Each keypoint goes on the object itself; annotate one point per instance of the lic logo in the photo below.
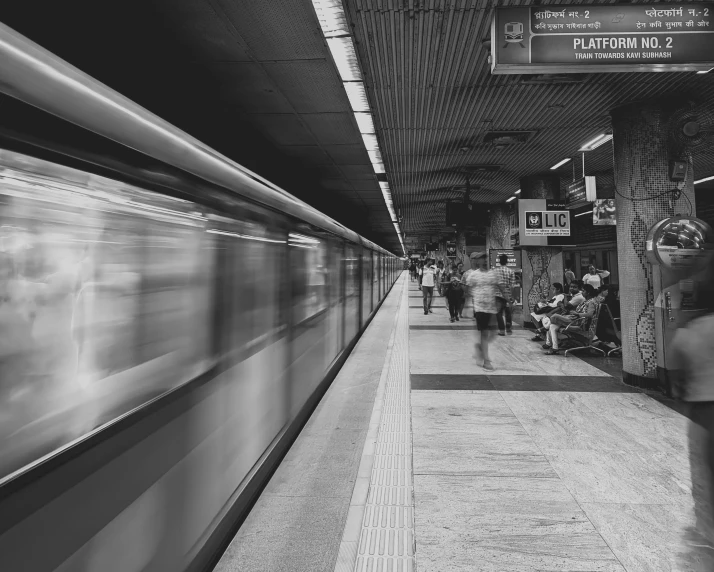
(514, 34)
(534, 219)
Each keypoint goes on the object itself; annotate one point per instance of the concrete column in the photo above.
(642, 181)
(542, 265)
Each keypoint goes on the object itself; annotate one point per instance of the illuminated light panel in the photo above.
(703, 180)
(370, 141)
(511, 199)
(357, 96)
(563, 162)
(595, 143)
(343, 51)
(332, 17)
(375, 156)
(583, 214)
(364, 122)
(518, 192)
(378, 167)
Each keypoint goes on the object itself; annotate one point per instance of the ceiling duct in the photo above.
(478, 169)
(552, 79)
(502, 139)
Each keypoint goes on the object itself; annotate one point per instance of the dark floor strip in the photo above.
(519, 383)
(469, 325)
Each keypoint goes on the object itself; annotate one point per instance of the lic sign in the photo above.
(547, 223)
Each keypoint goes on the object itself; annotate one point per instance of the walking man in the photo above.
(506, 281)
(428, 279)
(483, 289)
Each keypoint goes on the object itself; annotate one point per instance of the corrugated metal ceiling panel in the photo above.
(430, 87)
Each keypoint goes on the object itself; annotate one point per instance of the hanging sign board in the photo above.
(580, 192)
(582, 38)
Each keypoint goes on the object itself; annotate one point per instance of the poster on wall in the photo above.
(604, 212)
(451, 249)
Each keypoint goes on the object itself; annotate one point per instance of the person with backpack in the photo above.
(454, 294)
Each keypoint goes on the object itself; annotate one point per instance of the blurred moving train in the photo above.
(157, 353)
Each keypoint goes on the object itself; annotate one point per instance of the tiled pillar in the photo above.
(641, 180)
(499, 232)
(542, 265)
(461, 254)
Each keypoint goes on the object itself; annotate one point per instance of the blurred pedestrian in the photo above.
(483, 289)
(692, 366)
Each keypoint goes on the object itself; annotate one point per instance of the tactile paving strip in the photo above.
(387, 538)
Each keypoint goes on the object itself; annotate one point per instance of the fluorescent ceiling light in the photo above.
(707, 71)
(583, 214)
(378, 167)
(370, 141)
(375, 156)
(595, 143)
(364, 122)
(518, 192)
(357, 96)
(332, 17)
(702, 180)
(384, 186)
(343, 50)
(511, 199)
(563, 162)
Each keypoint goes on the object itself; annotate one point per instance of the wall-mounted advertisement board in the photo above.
(559, 38)
(543, 222)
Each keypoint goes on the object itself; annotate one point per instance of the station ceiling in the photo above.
(255, 79)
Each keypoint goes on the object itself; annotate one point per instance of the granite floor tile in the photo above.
(621, 477)
(650, 538)
(560, 421)
(504, 524)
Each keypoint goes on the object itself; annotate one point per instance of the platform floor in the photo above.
(546, 463)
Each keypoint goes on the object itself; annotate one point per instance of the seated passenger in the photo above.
(572, 301)
(579, 318)
(544, 308)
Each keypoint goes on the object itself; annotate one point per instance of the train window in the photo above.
(252, 280)
(105, 297)
(309, 273)
(351, 291)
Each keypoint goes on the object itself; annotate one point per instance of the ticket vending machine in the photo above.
(681, 251)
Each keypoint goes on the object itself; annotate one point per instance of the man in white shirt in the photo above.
(428, 279)
(595, 277)
(483, 285)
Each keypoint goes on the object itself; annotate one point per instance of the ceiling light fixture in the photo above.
(707, 71)
(343, 51)
(513, 198)
(582, 214)
(703, 180)
(563, 162)
(595, 143)
(518, 192)
(337, 32)
(364, 122)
